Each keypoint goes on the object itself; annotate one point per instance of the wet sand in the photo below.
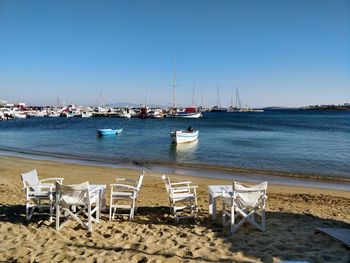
(153, 236)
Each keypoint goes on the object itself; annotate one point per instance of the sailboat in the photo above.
(239, 108)
(189, 112)
(218, 107)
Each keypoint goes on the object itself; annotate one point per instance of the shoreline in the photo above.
(191, 166)
(288, 181)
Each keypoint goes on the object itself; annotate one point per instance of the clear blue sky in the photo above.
(286, 53)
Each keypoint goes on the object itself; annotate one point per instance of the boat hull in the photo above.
(108, 132)
(185, 115)
(184, 136)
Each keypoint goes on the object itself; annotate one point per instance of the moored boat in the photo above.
(85, 114)
(184, 136)
(189, 112)
(106, 132)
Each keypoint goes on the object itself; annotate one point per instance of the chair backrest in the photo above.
(167, 183)
(249, 196)
(139, 182)
(72, 194)
(31, 179)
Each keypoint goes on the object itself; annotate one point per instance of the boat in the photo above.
(250, 110)
(18, 115)
(189, 112)
(34, 114)
(106, 132)
(239, 108)
(183, 136)
(125, 114)
(144, 112)
(85, 114)
(218, 107)
(53, 114)
(156, 113)
(67, 114)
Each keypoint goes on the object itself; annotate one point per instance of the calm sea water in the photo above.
(294, 141)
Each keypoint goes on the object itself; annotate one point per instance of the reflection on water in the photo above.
(184, 152)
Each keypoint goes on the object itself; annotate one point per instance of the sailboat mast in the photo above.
(238, 99)
(218, 98)
(100, 99)
(202, 96)
(174, 87)
(193, 90)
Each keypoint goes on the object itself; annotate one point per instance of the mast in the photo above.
(100, 99)
(193, 90)
(174, 87)
(238, 99)
(58, 99)
(218, 97)
(146, 95)
(202, 96)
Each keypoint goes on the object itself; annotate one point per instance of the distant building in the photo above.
(3, 102)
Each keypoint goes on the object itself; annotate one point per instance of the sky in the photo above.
(278, 53)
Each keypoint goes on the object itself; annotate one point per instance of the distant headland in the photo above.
(343, 107)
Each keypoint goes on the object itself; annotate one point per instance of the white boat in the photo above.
(189, 112)
(85, 114)
(184, 136)
(156, 113)
(125, 114)
(18, 115)
(35, 114)
(250, 110)
(239, 108)
(67, 114)
(53, 114)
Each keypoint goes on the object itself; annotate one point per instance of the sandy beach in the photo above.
(293, 213)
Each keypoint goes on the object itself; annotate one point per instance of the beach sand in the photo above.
(293, 213)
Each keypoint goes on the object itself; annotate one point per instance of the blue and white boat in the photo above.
(106, 132)
(184, 136)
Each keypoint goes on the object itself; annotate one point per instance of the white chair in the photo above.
(246, 202)
(121, 193)
(76, 202)
(182, 198)
(38, 191)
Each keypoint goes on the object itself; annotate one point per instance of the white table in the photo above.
(101, 188)
(216, 191)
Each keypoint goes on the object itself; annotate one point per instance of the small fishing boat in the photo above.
(106, 132)
(183, 136)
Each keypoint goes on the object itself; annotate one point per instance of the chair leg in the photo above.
(51, 208)
(27, 210)
(131, 216)
(263, 220)
(233, 227)
(57, 217)
(110, 208)
(89, 219)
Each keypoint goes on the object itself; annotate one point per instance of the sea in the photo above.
(279, 142)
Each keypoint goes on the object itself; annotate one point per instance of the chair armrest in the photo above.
(50, 186)
(124, 186)
(51, 179)
(125, 179)
(185, 187)
(179, 183)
